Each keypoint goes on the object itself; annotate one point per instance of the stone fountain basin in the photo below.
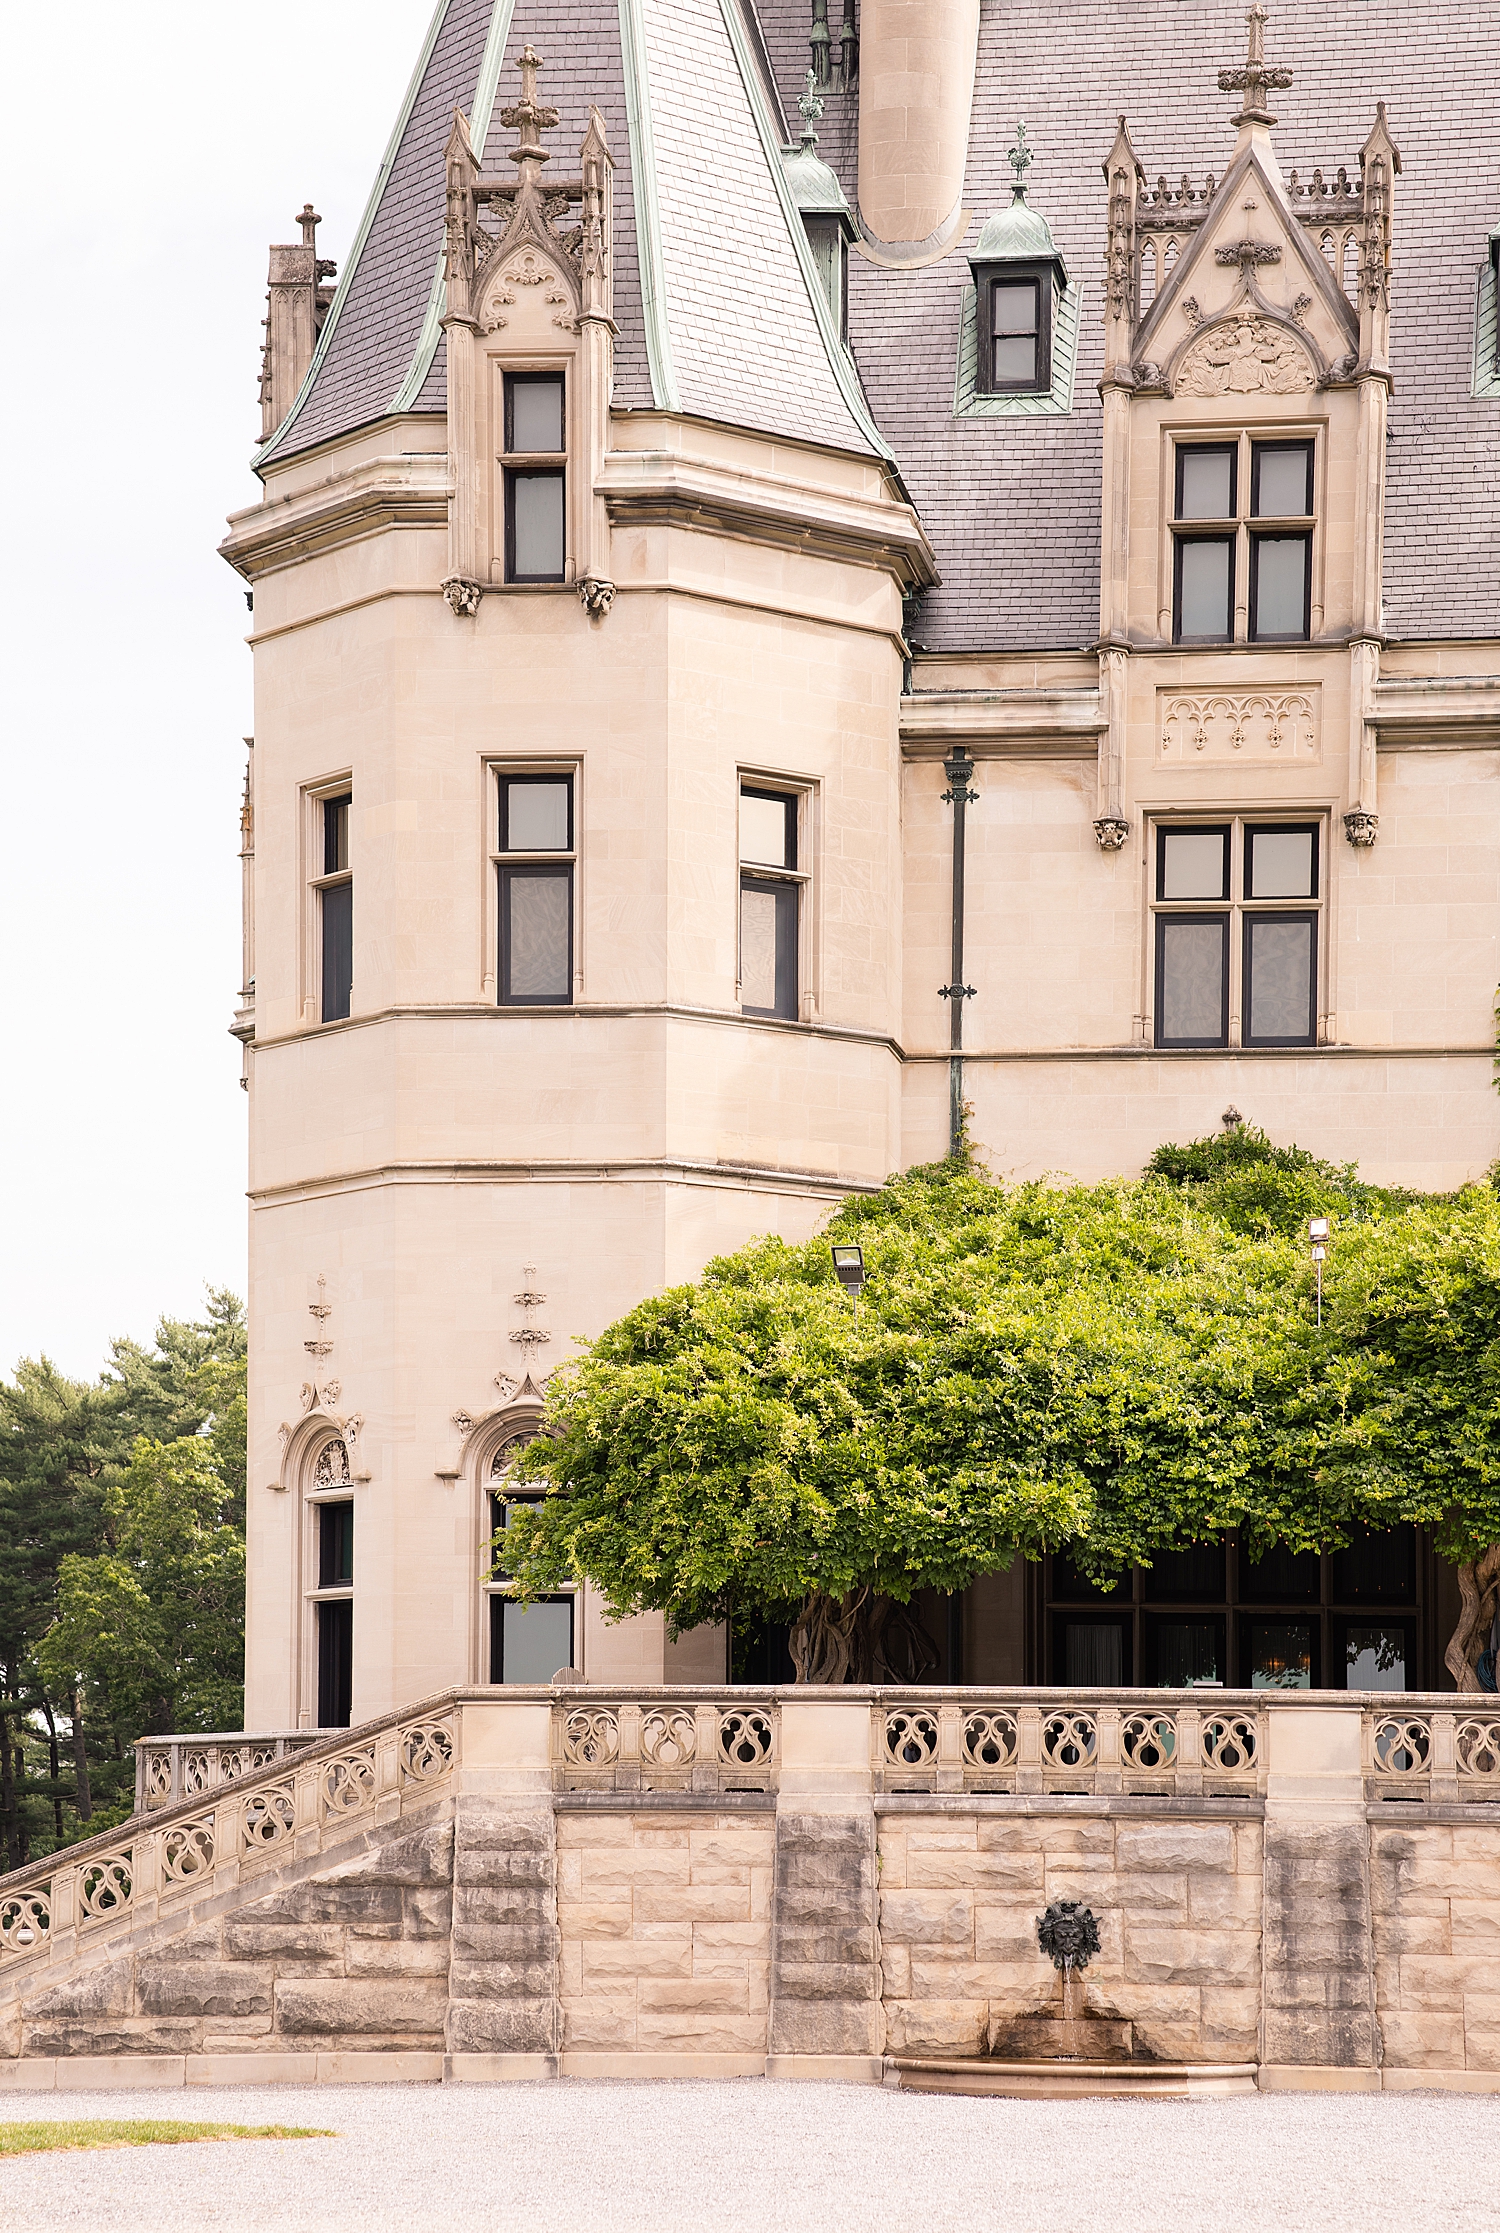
(1066, 2079)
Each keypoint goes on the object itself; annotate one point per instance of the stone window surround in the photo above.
(494, 766)
(314, 882)
(1288, 813)
(1200, 434)
(485, 1440)
(807, 792)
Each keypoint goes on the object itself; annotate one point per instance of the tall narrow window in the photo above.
(1017, 335)
(1203, 590)
(528, 1643)
(1258, 989)
(534, 480)
(1280, 559)
(535, 856)
(770, 902)
(336, 912)
(334, 1603)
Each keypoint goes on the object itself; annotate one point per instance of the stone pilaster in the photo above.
(503, 1985)
(826, 2019)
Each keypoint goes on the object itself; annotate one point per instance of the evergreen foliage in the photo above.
(121, 1569)
(1127, 1368)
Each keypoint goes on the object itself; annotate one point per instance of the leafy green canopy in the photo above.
(1124, 1368)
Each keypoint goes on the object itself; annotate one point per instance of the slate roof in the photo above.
(753, 355)
(1011, 505)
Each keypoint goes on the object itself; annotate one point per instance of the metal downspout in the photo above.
(959, 769)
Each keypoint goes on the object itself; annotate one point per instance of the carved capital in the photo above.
(596, 596)
(1111, 831)
(463, 595)
(1361, 828)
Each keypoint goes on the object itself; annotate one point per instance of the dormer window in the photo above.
(827, 219)
(1019, 282)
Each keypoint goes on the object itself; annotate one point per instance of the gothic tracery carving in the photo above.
(332, 1468)
(1244, 356)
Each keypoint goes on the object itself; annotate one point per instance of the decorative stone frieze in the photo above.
(1245, 355)
(1237, 725)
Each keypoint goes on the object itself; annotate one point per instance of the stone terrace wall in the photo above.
(664, 1920)
(1179, 1907)
(1436, 1896)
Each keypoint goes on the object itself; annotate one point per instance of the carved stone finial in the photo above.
(309, 220)
(529, 116)
(1254, 80)
(1019, 159)
(1111, 831)
(1360, 827)
(810, 108)
(462, 595)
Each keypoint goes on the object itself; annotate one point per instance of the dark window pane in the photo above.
(1278, 589)
(536, 526)
(1204, 571)
(1282, 1577)
(338, 950)
(1281, 864)
(1093, 1654)
(536, 935)
(1376, 1569)
(1281, 1655)
(335, 834)
(1015, 307)
(1187, 1652)
(536, 412)
(335, 1663)
(535, 814)
(335, 1544)
(1191, 1576)
(1283, 480)
(1375, 1657)
(1191, 984)
(825, 238)
(1278, 979)
(1069, 1584)
(768, 829)
(1205, 484)
(530, 1643)
(1194, 864)
(768, 947)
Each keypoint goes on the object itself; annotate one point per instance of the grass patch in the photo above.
(139, 2132)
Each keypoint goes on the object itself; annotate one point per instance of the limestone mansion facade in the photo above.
(788, 601)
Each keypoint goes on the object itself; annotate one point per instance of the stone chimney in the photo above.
(916, 89)
(296, 305)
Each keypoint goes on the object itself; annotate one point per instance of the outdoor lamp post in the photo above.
(1317, 1233)
(849, 1264)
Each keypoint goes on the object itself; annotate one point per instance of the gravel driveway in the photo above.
(752, 2156)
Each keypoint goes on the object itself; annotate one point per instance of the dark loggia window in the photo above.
(535, 891)
(535, 490)
(336, 910)
(335, 1662)
(335, 1545)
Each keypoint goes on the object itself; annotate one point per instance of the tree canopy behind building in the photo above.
(1125, 1369)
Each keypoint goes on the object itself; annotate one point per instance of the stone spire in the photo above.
(1254, 80)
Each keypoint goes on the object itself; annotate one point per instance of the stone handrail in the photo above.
(171, 1769)
(1448, 1754)
(1155, 1743)
(167, 1859)
(668, 1740)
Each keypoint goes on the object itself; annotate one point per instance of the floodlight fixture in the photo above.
(849, 1264)
(1318, 1230)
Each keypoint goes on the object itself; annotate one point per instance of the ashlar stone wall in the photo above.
(1179, 1906)
(1435, 1892)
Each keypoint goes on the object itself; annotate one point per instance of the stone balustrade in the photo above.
(518, 1881)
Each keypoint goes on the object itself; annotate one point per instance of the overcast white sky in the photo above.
(152, 151)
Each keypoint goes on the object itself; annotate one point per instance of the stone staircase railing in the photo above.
(166, 1859)
(171, 1769)
(1068, 1742)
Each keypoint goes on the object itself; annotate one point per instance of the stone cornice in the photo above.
(406, 491)
(997, 721)
(1415, 713)
(658, 488)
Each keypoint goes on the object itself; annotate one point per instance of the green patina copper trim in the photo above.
(647, 214)
(482, 109)
(1486, 335)
(357, 245)
(1055, 404)
(841, 364)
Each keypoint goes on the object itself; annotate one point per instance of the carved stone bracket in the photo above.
(463, 595)
(1361, 828)
(596, 596)
(1111, 831)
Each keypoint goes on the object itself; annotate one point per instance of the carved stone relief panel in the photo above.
(1244, 356)
(1195, 728)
